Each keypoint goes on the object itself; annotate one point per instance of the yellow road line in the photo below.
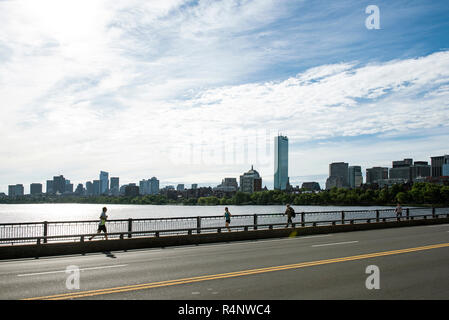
(82, 294)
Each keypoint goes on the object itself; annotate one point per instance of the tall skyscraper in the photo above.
(115, 186)
(280, 162)
(104, 182)
(355, 176)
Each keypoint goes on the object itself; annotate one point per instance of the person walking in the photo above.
(398, 210)
(102, 224)
(290, 212)
(228, 218)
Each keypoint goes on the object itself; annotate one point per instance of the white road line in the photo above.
(63, 271)
(333, 244)
(438, 225)
(244, 242)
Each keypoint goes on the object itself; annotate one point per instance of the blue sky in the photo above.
(180, 89)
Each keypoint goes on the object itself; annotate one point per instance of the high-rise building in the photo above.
(68, 187)
(49, 187)
(154, 185)
(89, 188)
(180, 187)
(355, 176)
(421, 169)
(59, 184)
(445, 169)
(104, 182)
(194, 186)
(15, 190)
(250, 181)
(79, 189)
(280, 162)
(96, 187)
(437, 165)
(338, 170)
(131, 190)
(376, 173)
(401, 169)
(144, 187)
(36, 188)
(150, 186)
(115, 186)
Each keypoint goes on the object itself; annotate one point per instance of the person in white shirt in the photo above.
(102, 224)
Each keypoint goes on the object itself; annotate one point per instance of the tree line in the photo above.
(421, 193)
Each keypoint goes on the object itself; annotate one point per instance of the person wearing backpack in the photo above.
(290, 212)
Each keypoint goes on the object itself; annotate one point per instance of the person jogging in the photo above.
(290, 214)
(102, 224)
(398, 210)
(228, 218)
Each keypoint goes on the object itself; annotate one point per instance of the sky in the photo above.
(196, 91)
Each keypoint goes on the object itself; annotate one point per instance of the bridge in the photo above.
(411, 253)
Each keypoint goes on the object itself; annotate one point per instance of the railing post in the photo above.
(377, 216)
(255, 221)
(130, 227)
(82, 239)
(433, 212)
(303, 219)
(407, 213)
(342, 217)
(198, 224)
(45, 231)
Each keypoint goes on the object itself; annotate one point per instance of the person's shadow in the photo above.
(109, 254)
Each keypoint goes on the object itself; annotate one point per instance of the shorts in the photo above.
(228, 220)
(102, 228)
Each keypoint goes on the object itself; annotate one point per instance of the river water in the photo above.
(10, 213)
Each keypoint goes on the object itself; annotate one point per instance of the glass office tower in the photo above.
(280, 162)
(104, 182)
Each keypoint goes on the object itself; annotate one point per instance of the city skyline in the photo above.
(180, 89)
(442, 161)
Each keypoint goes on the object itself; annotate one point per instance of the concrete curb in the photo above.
(53, 249)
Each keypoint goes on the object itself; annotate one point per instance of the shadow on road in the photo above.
(109, 254)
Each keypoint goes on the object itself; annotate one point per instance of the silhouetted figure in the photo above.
(290, 212)
(228, 218)
(102, 224)
(398, 211)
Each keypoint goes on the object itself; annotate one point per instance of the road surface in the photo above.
(413, 263)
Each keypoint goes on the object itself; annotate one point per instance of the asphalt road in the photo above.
(331, 266)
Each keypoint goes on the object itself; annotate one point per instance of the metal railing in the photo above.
(53, 231)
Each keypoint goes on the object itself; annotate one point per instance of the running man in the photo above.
(398, 210)
(290, 214)
(102, 224)
(228, 218)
